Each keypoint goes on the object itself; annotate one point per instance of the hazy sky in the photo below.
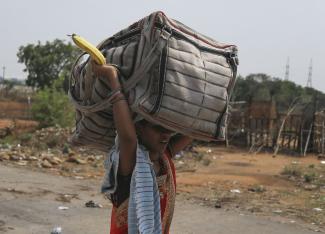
(266, 32)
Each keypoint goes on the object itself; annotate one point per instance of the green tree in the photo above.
(261, 87)
(246, 88)
(240, 89)
(46, 63)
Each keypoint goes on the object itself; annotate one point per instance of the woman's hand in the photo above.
(108, 71)
(178, 143)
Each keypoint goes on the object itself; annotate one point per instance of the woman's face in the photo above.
(154, 137)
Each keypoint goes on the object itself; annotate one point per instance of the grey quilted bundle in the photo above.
(173, 76)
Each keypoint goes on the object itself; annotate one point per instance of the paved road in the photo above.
(29, 204)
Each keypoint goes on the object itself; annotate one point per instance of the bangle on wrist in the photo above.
(117, 96)
(121, 98)
(114, 92)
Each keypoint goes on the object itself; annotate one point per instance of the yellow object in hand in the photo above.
(83, 44)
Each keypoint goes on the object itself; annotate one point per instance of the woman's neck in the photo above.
(155, 156)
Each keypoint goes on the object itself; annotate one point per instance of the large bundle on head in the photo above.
(173, 76)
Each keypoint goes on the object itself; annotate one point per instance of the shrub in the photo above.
(309, 177)
(26, 137)
(53, 141)
(292, 170)
(51, 107)
(8, 140)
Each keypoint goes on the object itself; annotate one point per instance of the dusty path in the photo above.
(29, 204)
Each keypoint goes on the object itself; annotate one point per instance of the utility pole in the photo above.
(286, 75)
(310, 74)
(3, 72)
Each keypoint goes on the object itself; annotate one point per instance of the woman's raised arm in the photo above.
(122, 119)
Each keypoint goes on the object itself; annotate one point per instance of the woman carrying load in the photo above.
(140, 178)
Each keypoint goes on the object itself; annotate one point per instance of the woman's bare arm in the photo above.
(178, 143)
(122, 120)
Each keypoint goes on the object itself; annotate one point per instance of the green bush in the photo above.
(53, 141)
(25, 137)
(292, 170)
(309, 177)
(8, 140)
(51, 107)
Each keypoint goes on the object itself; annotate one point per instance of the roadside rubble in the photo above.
(235, 191)
(66, 197)
(63, 208)
(56, 230)
(48, 149)
(49, 159)
(92, 204)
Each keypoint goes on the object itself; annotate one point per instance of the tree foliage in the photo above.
(261, 87)
(48, 66)
(47, 62)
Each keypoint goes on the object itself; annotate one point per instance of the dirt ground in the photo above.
(36, 203)
(228, 181)
(259, 184)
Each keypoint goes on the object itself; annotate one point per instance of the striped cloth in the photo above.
(144, 215)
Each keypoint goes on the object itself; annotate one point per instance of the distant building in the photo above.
(12, 80)
(17, 81)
